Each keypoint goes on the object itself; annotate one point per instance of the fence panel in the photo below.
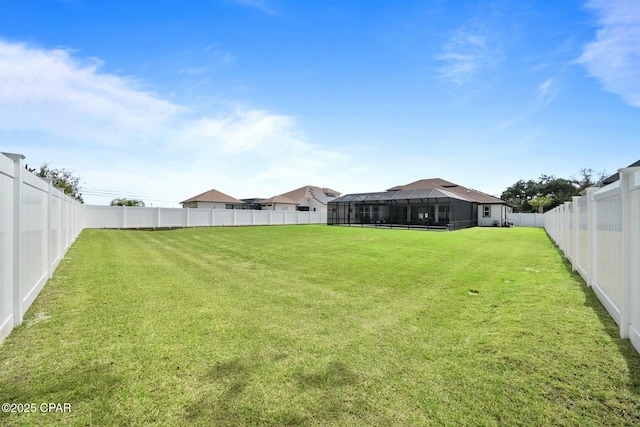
(262, 217)
(200, 217)
(290, 217)
(33, 233)
(223, 217)
(141, 217)
(600, 234)
(56, 242)
(169, 217)
(138, 217)
(527, 219)
(607, 278)
(6, 246)
(104, 217)
(568, 240)
(243, 217)
(37, 225)
(582, 238)
(634, 256)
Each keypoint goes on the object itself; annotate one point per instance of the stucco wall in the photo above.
(497, 214)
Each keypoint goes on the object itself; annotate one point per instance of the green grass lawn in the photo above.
(317, 325)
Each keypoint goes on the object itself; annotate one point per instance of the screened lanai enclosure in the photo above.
(425, 208)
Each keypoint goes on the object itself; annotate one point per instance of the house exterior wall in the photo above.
(313, 205)
(208, 205)
(279, 207)
(496, 213)
(316, 206)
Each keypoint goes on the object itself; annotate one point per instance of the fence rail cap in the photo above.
(14, 155)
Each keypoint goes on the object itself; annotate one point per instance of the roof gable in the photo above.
(311, 192)
(423, 194)
(425, 183)
(214, 196)
(439, 183)
(279, 199)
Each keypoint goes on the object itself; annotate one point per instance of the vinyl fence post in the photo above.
(234, 217)
(60, 248)
(17, 236)
(253, 217)
(187, 217)
(625, 315)
(158, 220)
(576, 230)
(592, 229)
(48, 250)
(124, 216)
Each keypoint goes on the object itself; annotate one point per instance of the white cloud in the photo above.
(121, 138)
(614, 55)
(243, 130)
(546, 92)
(261, 5)
(464, 54)
(48, 90)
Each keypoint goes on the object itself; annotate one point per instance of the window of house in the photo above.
(486, 211)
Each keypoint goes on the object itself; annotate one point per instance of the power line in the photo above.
(111, 194)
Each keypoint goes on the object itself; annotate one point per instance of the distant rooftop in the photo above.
(616, 176)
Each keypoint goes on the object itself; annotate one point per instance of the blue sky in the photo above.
(164, 100)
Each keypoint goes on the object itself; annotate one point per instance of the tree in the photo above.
(122, 201)
(548, 191)
(589, 178)
(559, 190)
(539, 203)
(519, 195)
(63, 179)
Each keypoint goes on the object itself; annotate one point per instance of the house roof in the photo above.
(439, 183)
(310, 191)
(616, 176)
(279, 199)
(432, 194)
(214, 196)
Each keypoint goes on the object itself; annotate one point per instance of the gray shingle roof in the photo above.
(214, 196)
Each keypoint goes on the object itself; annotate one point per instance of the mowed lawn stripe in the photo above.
(317, 325)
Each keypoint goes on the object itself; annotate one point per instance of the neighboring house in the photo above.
(311, 198)
(252, 203)
(213, 199)
(616, 176)
(279, 203)
(430, 203)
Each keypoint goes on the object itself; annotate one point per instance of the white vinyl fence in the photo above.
(38, 223)
(526, 219)
(600, 234)
(137, 217)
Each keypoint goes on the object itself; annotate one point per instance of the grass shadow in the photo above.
(83, 387)
(624, 346)
(335, 375)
